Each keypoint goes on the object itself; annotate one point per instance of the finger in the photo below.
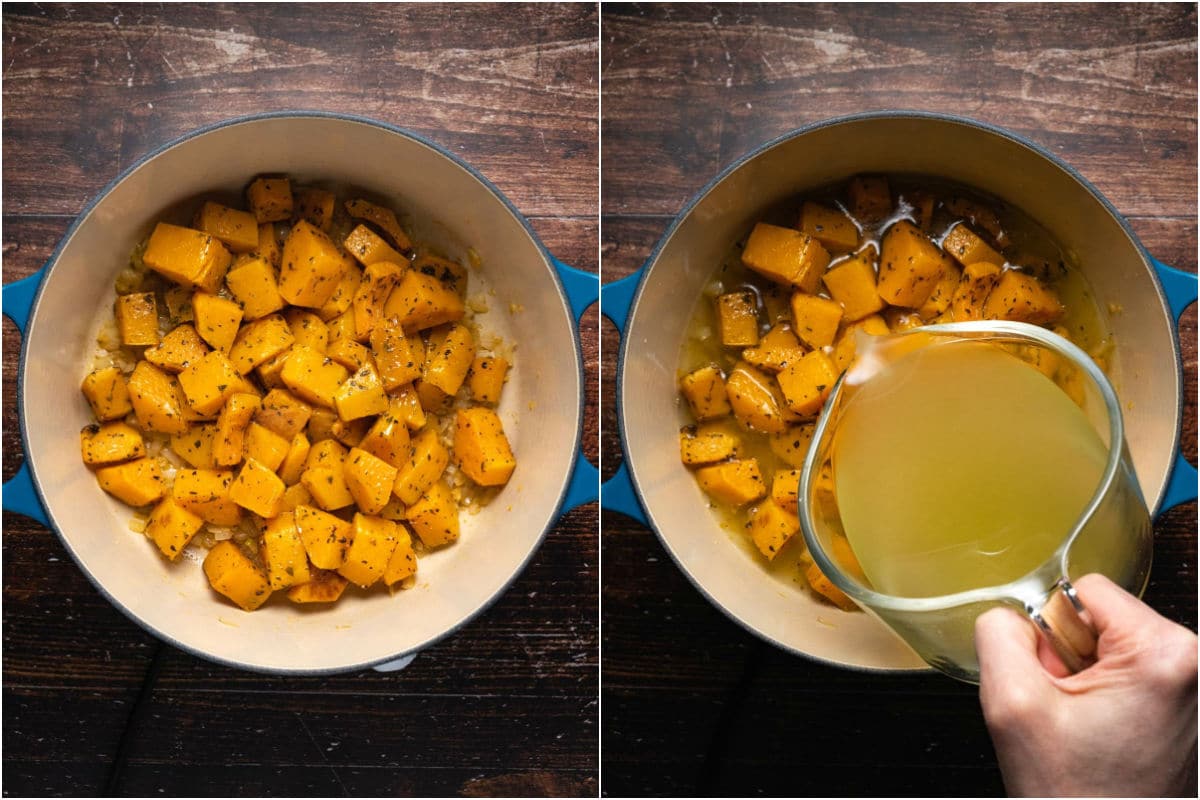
(1111, 608)
(1011, 676)
(1050, 659)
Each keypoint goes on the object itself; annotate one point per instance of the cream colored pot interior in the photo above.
(445, 204)
(1146, 373)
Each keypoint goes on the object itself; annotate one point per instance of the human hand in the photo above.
(1125, 726)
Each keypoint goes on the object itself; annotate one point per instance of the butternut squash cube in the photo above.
(870, 197)
(341, 326)
(910, 265)
(1022, 298)
(282, 553)
(179, 304)
(448, 364)
(283, 413)
(229, 442)
(137, 319)
(296, 495)
(258, 489)
(268, 244)
(370, 480)
(171, 527)
(209, 382)
(481, 449)
(349, 353)
(320, 424)
(326, 453)
(265, 446)
(157, 399)
(452, 274)
(237, 230)
(352, 432)
(943, 293)
(378, 281)
(135, 483)
(232, 573)
(195, 445)
(107, 392)
(368, 247)
(370, 550)
(326, 538)
(387, 439)
(433, 400)
(406, 406)
(771, 526)
(426, 462)
(775, 349)
(836, 232)
(342, 299)
(313, 377)
(733, 483)
(259, 341)
(383, 218)
(293, 463)
(252, 281)
(844, 350)
(205, 493)
(399, 359)
(420, 301)
(324, 586)
(308, 329)
(217, 320)
(270, 372)
(791, 445)
(852, 283)
(434, 516)
(403, 562)
(785, 489)
(968, 248)
(815, 319)
(395, 510)
(737, 319)
(327, 483)
(824, 587)
(312, 266)
(314, 205)
(807, 382)
(786, 255)
(755, 399)
(110, 443)
(179, 348)
(270, 199)
(974, 286)
(705, 391)
(697, 448)
(187, 256)
(486, 377)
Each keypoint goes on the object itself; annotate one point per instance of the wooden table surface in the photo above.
(691, 703)
(93, 704)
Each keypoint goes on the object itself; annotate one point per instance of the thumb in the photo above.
(1011, 676)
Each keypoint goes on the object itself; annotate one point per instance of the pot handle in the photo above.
(617, 493)
(19, 494)
(396, 665)
(1180, 289)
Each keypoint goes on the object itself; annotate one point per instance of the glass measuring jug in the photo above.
(931, 600)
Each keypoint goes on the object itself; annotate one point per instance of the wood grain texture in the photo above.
(94, 705)
(687, 89)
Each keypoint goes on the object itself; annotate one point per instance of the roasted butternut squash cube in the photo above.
(205, 493)
(328, 487)
(845, 348)
(785, 489)
(383, 218)
(699, 447)
(326, 538)
(387, 438)
(352, 432)
(312, 266)
(258, 489)
(137, 319)
(179, 348)
(852, 283)
(171, 527)
(313, 377)
(370, 550)
(836, 232)
(209, 382)
(433, 399)
(400, 359)
(325, 453)
(1022, 298)
(733, 483)
(282, 552)
(943, 293)
(283, 413)
(786, 255)
(405, 405)
(270, 372)
(486, 377)
(755, 399)
(870, 198)
(771, 526)
(791, 445)
(157, 399)
(265, 446)
(974, 286)
(179, 304)
(259, 341)
(187, 256)
(268, 244)
(308, 329)
(370, 480)
(420, 301)
(107, 392)
(217, 320)
(815, 319)
(775, 349)
(232, 573)
(825, 588)
(368, 247)
(195, 445)
(270, 199)
(452, 274)
(135, 483)
(324, 586)
(293, 463)
(395, 510)
(807, 382)
(481, 448)
(705, 391)
(229, 442)
(426, 462)
(296, 495)
(737, 319)
(320, 424)
(966, 247)
(447, 366)
(922, 205)
(314, 205)
(901, 319)
(110, 443)
(378, 281)
(237, 230)
(403, 562)
(341, 326)
(434, 516)
(342, 299)
(910, 265)
(252, 281)
(349, 353)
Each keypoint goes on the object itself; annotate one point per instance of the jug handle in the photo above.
(1061, 620)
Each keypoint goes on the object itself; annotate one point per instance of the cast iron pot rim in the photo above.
(699, 197)
(301, 115)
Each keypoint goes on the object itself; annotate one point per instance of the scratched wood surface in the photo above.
(692, 704)
(92, 704)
